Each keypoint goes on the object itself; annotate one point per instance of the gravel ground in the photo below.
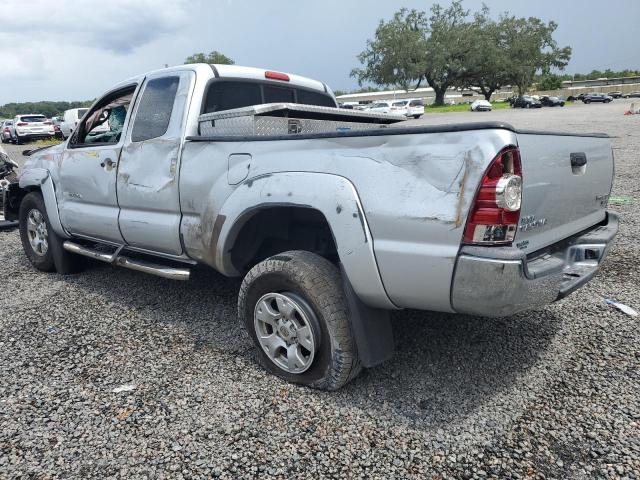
(552, 393)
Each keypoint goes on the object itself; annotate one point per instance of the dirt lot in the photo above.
(552, 393)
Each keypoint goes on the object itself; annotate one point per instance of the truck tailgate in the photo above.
(566, 184)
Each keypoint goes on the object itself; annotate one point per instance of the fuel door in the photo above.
(238, 168)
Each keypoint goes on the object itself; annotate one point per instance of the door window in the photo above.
(154, 113)
(104, 124)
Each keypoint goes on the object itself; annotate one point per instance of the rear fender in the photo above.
(334, 196)
(40, 179)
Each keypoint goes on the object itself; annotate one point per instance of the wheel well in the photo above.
(277, 229)
(15, 194)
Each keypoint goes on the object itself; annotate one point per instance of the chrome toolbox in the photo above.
(274, 119)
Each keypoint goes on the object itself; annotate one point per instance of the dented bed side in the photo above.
(414, 190)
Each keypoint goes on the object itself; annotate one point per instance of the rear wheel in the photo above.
(295, 311)
(417, 116)
(41, 244)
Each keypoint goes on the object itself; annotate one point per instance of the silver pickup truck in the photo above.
(333, 217)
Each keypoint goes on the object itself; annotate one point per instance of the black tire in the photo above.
(318, 282)
(417, 116)
(56, 258)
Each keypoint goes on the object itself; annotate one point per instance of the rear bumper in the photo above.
(497, 282)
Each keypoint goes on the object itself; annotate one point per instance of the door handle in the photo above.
(108, 164)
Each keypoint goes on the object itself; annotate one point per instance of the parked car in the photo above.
(575, 98)
(5, 131)
(381, 107)
(526, 102)
(615, 94)
(552, 101)
(70, 120)
(411, 107)
(596, 97)
(30, 127)
(56, 127)
(632, 95)
(481, 106)
(330, 229)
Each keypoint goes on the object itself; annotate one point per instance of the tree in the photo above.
(486, 64)
(396, 54)
(549, 82)
(450, 37)
(413, 46)
(215, 57)
(530, 47)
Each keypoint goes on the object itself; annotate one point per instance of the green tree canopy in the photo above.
(212, 57)
(449, 48)
(531, 48)
(549, 82)
(396, 55)
(47, 108)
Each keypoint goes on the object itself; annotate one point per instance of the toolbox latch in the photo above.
(294, 126)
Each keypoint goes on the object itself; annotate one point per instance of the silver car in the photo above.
(6, 128)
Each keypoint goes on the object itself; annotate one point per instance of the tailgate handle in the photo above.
(578, 159)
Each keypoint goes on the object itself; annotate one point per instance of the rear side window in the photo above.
(229, 94)
(81, 112)
(315, 98)
(154, 112)
(416, 103)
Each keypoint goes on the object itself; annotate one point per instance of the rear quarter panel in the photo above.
(415, 189)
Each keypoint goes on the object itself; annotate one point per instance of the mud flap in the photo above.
(371, 328)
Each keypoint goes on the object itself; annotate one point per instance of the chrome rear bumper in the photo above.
(501, 281)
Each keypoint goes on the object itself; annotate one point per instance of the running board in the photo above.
(133, 264)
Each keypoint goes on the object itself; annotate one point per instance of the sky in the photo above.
(76, 49)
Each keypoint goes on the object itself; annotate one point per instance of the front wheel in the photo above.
(417, 116)
(295, 311)
(41, 244)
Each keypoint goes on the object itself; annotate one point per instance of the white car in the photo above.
(381, 107)
(481, 106)
(70, 120)
(29, 127)
(411, 107)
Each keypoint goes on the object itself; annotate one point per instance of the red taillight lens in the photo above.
(276, 76)
(495, 212)
(21, 124)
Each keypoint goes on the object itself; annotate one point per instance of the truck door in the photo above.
(89, 205)
(148, 172)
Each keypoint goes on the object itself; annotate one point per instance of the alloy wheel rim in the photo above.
(283, 326)
(37, 232)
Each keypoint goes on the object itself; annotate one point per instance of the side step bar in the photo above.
(133, 264)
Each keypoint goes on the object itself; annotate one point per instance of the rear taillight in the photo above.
(495, 212)
(21, 124)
